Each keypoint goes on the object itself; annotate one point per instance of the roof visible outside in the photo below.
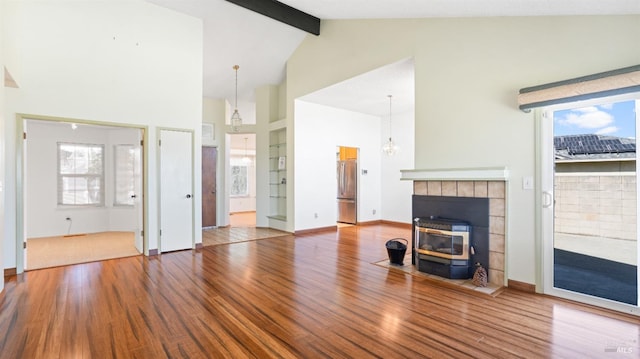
(594, 147)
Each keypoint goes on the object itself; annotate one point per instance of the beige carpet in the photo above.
(47, 252)
(242, 219)
(463, 284)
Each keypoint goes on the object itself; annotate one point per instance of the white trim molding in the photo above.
(456, 174)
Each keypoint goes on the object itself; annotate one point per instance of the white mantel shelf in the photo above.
(457, 174)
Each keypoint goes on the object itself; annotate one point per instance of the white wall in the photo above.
(117, 62)
(318, 131)
(44, 217)
(2, 144)
(468, 72)
(396, 194)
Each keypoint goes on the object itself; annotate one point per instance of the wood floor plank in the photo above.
(310, 296)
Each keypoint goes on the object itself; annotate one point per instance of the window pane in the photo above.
(94, 160)
(80, 174)
(595, 213)
(65, 153)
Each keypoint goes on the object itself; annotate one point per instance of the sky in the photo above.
(613, 119)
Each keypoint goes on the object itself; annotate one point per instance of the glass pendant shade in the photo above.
(236, 120)
(389, 148)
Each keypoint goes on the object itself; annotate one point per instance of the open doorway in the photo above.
(82, 193)
(240, 186)
(347, 189)
(242, 180)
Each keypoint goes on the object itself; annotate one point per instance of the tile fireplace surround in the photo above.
(479, 183)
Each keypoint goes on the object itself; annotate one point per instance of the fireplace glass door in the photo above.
(589, 202)
(444, 244)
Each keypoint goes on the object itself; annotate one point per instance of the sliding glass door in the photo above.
(589, 202)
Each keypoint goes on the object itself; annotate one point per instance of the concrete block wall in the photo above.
(599, 205)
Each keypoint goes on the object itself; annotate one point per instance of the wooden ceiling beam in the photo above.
(283, 13)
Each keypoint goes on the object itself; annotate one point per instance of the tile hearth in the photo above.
(461, 284)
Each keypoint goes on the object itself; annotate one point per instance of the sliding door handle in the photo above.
(547, 199)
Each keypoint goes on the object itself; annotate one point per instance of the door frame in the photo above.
(217, 182)
(545, 199)
(21, 171)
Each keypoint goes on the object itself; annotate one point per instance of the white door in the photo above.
(176, 190)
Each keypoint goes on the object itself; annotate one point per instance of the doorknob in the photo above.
(133, 196)
(188, 196)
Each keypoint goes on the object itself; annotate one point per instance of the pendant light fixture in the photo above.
(236, 120)
(389, 148)
(246, 158)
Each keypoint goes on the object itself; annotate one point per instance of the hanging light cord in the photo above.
(389, 116)
(236, 67)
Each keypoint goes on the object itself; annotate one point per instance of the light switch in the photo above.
(527, 182)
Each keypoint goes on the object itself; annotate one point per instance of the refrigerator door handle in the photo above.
(341, 179)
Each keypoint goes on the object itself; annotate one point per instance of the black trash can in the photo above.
(396, 250)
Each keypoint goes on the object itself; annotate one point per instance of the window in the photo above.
(80, 174)
(239, 180)
(125, 158)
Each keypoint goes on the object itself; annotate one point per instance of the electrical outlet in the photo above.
(315, 215)
(374, 211)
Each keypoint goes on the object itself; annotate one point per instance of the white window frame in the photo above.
(88, 176)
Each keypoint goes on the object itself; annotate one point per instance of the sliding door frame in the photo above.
(545, 203)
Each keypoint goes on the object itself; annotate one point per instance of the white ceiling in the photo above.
(368, 93)
(261, 46)
(376, 9)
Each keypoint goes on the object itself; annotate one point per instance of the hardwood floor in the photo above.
(227, 235)
(316, 295)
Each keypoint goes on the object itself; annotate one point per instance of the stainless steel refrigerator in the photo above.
(347, 191)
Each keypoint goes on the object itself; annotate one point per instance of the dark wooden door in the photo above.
(209, 163)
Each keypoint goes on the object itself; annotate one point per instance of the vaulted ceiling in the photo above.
(261, 46)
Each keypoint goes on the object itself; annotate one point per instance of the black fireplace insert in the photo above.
(450, 235)
(443, 247)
